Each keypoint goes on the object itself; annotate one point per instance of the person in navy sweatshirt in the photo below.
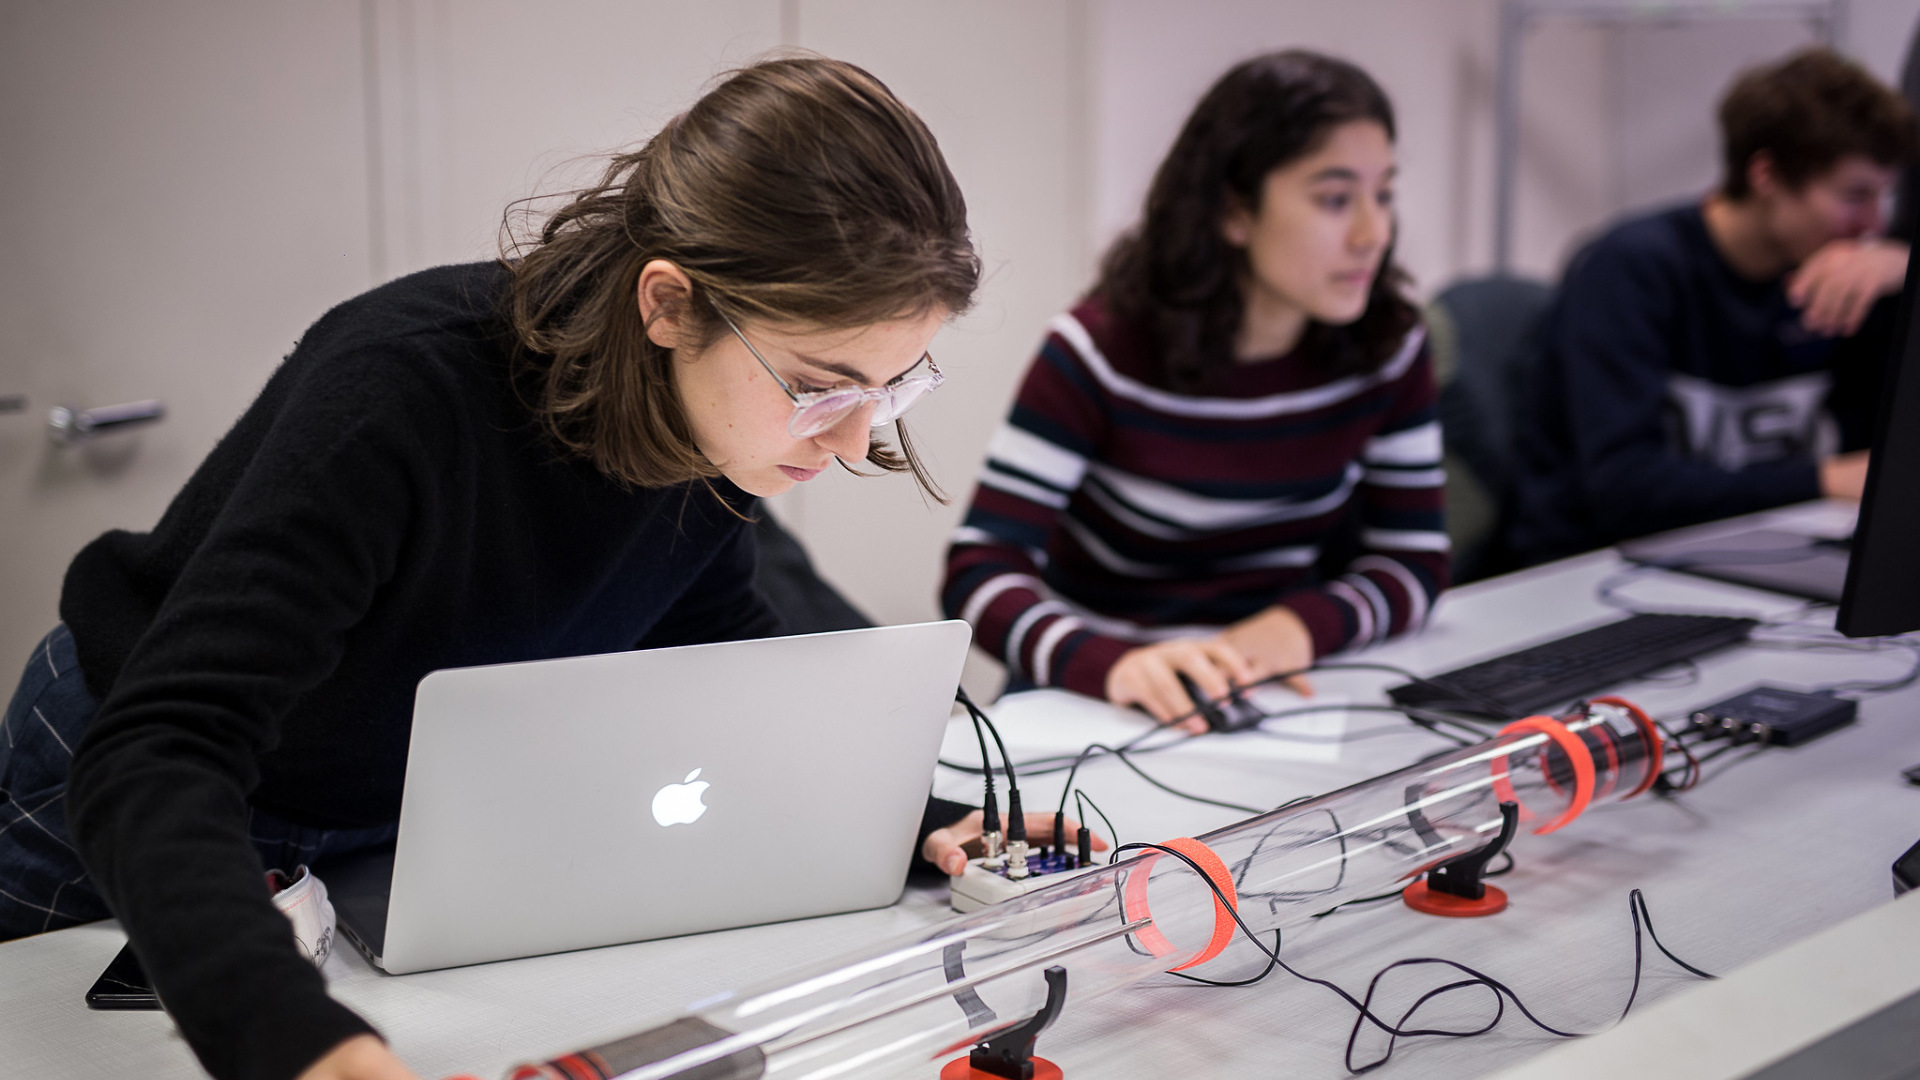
(1225, 461)
(1717, 358)
(548, 455)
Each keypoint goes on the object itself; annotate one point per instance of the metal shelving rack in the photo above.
(1827, 17)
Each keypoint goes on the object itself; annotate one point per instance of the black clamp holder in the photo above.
(1010, 1053)
(1464, 875)
(1457, 886)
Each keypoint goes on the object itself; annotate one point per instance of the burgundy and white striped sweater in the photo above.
(1111, 512)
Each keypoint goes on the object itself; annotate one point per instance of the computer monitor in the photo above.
(1882, 594)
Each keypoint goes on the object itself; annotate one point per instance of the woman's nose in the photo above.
(1370, 227)
(848, 440)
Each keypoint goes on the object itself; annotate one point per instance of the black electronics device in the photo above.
(1551, 674)
(1882, 593)
(123, 985)
(1228, 714)
(1774, 716)
(1906, 871)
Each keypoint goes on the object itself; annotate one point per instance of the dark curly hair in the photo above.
(1176, 275)
(1805, 113)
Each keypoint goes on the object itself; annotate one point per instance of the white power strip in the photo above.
(980, 886)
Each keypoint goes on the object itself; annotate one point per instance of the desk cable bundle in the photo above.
(992, 978)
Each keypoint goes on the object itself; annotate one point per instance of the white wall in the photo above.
(182, 190)
(1614, 117)
(188, 183)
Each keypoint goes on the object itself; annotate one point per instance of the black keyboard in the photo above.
(1554, 673)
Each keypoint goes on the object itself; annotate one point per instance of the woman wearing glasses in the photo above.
(545, 456)
(1225, 462)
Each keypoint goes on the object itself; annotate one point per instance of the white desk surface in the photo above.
(1771, 852)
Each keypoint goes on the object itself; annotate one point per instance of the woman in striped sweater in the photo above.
(1225, 462)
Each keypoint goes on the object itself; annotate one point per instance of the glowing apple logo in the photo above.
(679, 804)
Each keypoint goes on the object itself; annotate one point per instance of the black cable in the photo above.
(1419, 718)
(1635, 898)
(1006, 760)
(1424, 718)
(1690, 770)
(1637, 907)
(1366, 1014)
(1496, 707)
(1129, 763)
(1081, 796)
(980, 733)
(989, 803)
(1053, 763)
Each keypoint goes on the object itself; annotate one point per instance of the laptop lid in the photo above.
(565, 804)
(1783, 562)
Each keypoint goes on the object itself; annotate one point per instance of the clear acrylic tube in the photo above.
(935, 993)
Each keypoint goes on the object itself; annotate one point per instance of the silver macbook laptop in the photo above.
(593, 800)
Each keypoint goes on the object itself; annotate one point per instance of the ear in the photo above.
(1763, 178)
(663, 295)
(1236, 223)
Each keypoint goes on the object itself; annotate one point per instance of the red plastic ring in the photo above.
(1576, 751)
(1650, 730)
(1133, 901)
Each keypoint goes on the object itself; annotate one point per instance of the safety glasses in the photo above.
(815, 412)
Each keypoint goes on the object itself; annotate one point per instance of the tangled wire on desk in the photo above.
(1431, 721)
(1808, 628)
(1396, 1030)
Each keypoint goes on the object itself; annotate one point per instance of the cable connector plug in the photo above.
(1017, 868)
(991, 839)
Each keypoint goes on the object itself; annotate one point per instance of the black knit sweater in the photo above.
(385, 508)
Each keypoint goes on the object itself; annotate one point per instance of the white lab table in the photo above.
(1772, 849)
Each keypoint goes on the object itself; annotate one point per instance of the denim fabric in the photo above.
(42, 884)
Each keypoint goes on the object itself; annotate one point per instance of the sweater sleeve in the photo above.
(1034, 464)
(1401, 503)
(157, 796)
(1612, 358)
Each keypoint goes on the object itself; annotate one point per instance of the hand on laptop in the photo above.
(363, 1057)
(951, 847)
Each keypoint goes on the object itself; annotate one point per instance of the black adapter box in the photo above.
(1778, 717)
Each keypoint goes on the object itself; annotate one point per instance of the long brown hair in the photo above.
(798, 190)
(1176, 275)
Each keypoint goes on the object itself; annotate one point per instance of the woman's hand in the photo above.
(362, 1057)
(1275, 641)
(1149, 677)
(949, 848)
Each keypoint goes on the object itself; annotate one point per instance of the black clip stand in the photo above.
(1010, 1053)
(1457, 887)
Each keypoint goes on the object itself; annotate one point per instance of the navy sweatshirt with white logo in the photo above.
(1669, 391)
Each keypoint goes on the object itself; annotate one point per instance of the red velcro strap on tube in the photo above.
(1133, 901)
(1576, 751)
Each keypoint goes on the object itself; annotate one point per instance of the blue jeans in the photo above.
(43, 885)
